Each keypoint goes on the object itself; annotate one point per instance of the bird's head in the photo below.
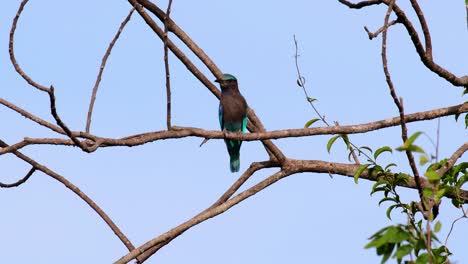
(228, 80)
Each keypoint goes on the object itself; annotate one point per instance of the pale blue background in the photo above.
(146, 190)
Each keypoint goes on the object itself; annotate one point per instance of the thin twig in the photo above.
(166, 65)
(101, 68)
(453, 225)
(373, 35)
(20, 181)
(12, 53)
(61, 124)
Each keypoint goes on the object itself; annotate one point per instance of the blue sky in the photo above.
(146, 190)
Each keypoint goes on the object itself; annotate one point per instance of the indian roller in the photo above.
(232, 116)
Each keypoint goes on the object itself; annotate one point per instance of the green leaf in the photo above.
(310, 122)
(437, 226)
(381, 150)
(423, 160)
(389, 211)
(422, 259)
(390, 165)
(403, 251)
(386, 199)
(413, 138)
(466, 121)
(331, 141)
(457, 115)
(414, 148)
(367, 148)
(463, 179)
(439, 194)
(428, 193)
(346, 141)
(377, 186)
(432, 176)
(359, 171)
(310, 99)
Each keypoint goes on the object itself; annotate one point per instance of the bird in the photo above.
(232, 116)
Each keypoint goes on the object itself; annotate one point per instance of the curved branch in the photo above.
(77, 191)
(20, 181)
(12, 53)
(425, 58)
(101, 68)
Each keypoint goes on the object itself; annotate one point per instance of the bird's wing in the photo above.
(220, 115)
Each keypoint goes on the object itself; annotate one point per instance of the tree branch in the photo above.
(455, 156)
(77, 191)
(427, 60)
(12, 53)
(254, 122)
(20, 181)
(181, 132)
(101, 68)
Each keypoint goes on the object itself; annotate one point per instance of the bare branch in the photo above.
(360, 4)
(427, 60)
(166, 66)
(384, 27)
(451, 162)
(103, 65)
(20, 181)
(31, 116)
(12, 53)
(77, 191)
(399, 103)
(59, 121)
(425, 28)
(254, 167)
(291, 167)
(181, 132)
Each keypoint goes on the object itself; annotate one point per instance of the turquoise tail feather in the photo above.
(235, 163)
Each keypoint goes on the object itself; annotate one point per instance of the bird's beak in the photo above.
(216, 80)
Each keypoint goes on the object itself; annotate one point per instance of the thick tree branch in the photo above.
(254, 167)
(178, 132)
(291, 167)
